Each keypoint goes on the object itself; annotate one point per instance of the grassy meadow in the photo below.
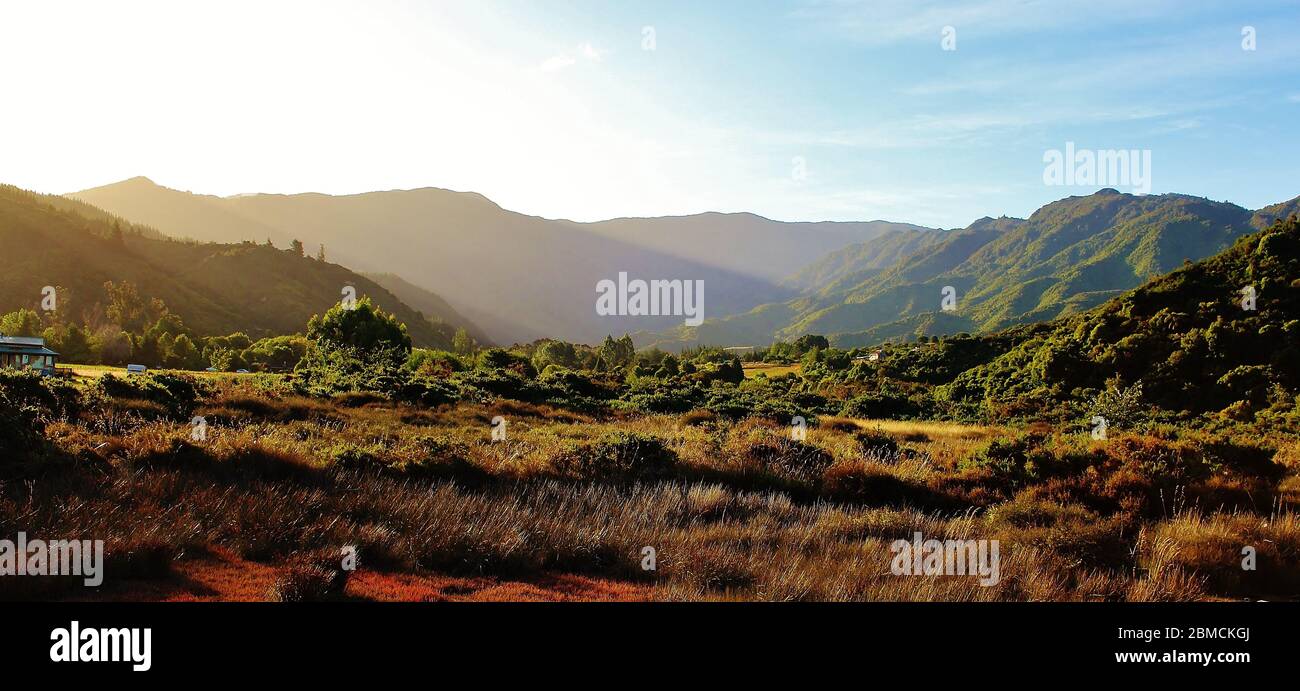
(262, 503)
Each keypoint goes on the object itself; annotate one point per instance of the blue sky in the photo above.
(807, 110)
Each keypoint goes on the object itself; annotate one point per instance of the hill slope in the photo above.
(1068, 256)
(429, 303)
(217, 289)
(1190, 337)
(519, 277)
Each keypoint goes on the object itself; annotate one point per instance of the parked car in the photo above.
(136, 369)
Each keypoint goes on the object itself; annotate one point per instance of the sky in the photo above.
(936, 113)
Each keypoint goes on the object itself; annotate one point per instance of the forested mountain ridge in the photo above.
(1221, 335)
(215, 289)
(1067, 257)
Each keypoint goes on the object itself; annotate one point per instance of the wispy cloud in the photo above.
(888, 21)
(585, 52)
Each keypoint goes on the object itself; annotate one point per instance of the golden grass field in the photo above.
(753, 369)
(735, 510)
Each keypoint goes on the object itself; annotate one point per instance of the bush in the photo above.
(178, 394)
(1012, 459)
(618, 456)
(876, 443)
(791, 458)
(51, 398)
(881, 405)
(21, 430)
(311, 578)
(426, 391)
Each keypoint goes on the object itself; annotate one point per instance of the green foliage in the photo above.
(505, 360)
(49, 399)
(23, 322)
(434, 363)
(617, 353)
(1121, 407)
(276, 354)
(1187, 336)
(177, 394)
(362, 327)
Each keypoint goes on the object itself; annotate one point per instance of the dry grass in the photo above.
(733, 510)
(753, 369)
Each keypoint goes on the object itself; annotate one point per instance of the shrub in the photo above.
(792, 458)
(178, 394)
(876, 443)
(21, 430)
(311, 578)
(427, 391)
(881, 404)
(51, 398)
(618, 456)
(1017, 459)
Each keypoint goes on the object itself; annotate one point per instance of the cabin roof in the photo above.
(24, 345)
(26, 350)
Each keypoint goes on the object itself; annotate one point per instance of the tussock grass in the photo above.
(734, 510)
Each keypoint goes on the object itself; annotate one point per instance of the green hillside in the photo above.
(1188, 338)
(216, 289)
(1067, 257)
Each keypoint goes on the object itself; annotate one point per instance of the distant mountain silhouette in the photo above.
(518, 277)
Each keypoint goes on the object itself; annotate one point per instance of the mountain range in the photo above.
(509, 277)
(1067, 257)
(518, 277)
(216, 289)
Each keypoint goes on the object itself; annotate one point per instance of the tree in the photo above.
(168, 323)
(731, 371)
(225, 359)
(146, 350)
(113, 345)
(125, 308)
(364, 327)
(72, 344)
(320, 254)
(296, 247)
(278, 353)
(24, 322)
(811, 342)
(617, 353)
(462, 343)
(184, 354)
(555, 353)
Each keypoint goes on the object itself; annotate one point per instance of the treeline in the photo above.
(124, 328)
(1217, 342)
